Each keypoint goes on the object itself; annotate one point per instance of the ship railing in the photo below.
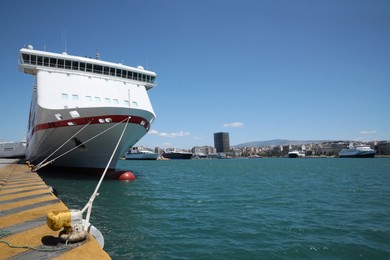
(32, 61)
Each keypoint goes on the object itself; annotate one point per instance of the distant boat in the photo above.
(361, 151)
(296, 154)
(137, 153)
(176, 155)
(13, 149)
(199, 156)
(254, 156)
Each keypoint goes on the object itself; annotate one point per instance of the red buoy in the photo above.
(126, 176)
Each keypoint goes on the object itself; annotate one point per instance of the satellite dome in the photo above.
(30, 47)
(140, 67)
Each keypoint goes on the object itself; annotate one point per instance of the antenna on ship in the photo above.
(97, 55)
(64, 42)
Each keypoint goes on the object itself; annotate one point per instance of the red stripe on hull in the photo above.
(94, 120)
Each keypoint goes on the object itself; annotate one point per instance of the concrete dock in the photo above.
(25, 201)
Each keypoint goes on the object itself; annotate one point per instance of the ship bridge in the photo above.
(30, 61)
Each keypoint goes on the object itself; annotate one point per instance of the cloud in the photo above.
(234, 124)
(365, 132)
(153, 132)
(179, 134)
(169, 135)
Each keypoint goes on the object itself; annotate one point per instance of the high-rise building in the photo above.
(221, 142)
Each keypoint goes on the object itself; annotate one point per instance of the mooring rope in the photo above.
(39, 165)
(4, 233)
(95, 193)
(83, 143)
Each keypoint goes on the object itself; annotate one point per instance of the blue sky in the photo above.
(257, 69)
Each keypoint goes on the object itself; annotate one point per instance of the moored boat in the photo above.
(296, 154)
(176, 154)
(361, 151)
(137, 153)
(13, 149)
(81, 107)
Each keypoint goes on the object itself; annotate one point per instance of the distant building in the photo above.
(203, 150)
(221, 142)
(383, 148)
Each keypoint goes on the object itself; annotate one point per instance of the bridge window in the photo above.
(118, 72)
(82, 66)
(39, 61)
(75, 65)
(97, 69)
(61, 63)
(26, 58)
(112, 71)
(89, 67)
(68, 64)
(33, 60)
(46, 61)
(106, 70)
(53, 62)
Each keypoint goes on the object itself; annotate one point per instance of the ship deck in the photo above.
(25, 200)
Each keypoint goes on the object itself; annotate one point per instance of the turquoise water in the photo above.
(241, 208)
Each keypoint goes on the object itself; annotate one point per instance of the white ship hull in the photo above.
(77, 117)
(141, 156)
(12, 149)
(296, 154)
(359, 152)
(92, 154)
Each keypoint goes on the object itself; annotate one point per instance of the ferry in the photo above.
(81, 106)
(13, 149)
(139, 153)
(361, 151)
(173, 153)
(296, 154)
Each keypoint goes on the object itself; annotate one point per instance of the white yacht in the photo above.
(296, 154)
(361, 151)
(138, 153)
(80, 106)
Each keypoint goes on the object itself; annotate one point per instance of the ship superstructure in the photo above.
(81, 105)
(360, 151)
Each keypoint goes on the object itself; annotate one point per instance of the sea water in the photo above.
(268, 208)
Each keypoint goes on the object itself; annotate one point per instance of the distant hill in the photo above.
(277, 142)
